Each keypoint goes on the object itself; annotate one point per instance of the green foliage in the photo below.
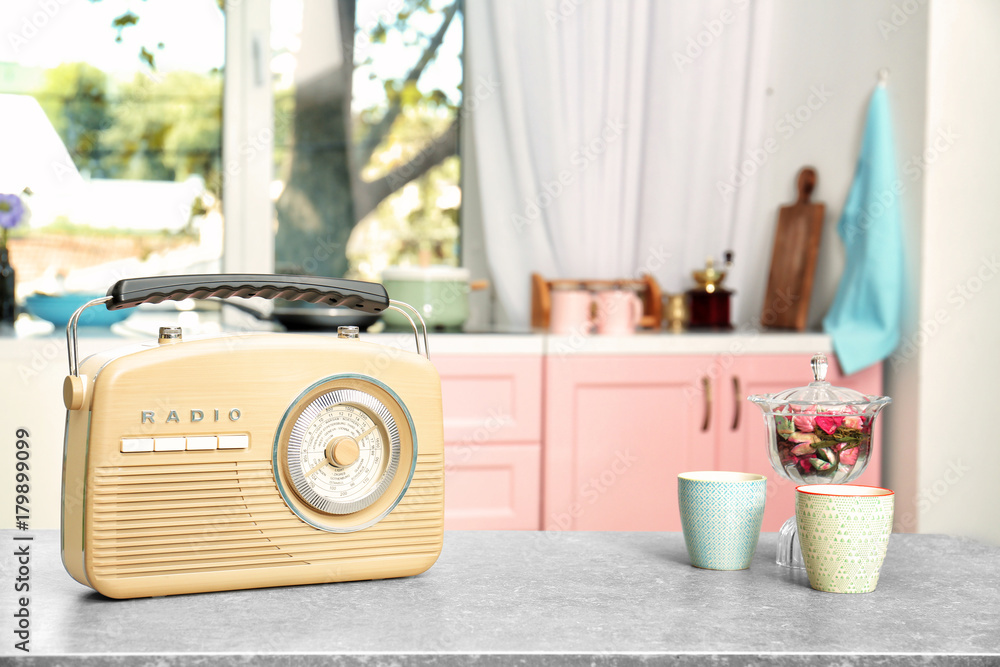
(63, 226)
(146, 57)
(422, 217)
(166, 129)
(75, 98)
(284, 129)
(119, 23)
(129, 19)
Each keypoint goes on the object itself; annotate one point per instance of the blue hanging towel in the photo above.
(865, 318)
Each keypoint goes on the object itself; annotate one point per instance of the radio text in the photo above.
(173, 416)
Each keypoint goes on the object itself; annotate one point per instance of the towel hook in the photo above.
(883, 76)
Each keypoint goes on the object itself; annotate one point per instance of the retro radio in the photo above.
(250, 460)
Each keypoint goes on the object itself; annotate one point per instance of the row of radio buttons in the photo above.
(175, 444)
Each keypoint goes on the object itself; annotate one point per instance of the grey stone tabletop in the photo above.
(497, 598)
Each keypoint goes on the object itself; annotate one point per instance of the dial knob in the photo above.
(343, 451)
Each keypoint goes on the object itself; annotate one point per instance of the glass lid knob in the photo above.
(819, 366)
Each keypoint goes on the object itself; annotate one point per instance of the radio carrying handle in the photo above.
(356, 294)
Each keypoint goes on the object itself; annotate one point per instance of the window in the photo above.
(366, 167)
(134, 93)
(167, 108)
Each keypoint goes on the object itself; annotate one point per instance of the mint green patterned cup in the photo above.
(721, 513)
(844, 532)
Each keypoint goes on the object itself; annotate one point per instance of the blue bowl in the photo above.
(58, 309)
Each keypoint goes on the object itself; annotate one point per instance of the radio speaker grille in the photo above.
(205, 517)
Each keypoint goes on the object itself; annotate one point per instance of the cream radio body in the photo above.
(252, 460)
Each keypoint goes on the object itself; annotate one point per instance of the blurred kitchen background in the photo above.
(569, 138)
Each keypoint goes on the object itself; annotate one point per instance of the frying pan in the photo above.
(309, 317)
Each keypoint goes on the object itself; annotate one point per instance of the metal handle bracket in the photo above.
(73, 344)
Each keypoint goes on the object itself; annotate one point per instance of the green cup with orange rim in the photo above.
(844, 534)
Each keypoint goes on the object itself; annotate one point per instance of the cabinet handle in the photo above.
(706, 390)
(737, 403)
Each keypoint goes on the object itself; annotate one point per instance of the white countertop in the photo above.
(36, 335)
(660, 342)
(644, 343)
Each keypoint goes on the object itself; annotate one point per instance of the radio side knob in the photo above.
(73, 392)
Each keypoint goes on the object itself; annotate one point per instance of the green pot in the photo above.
(439, 293)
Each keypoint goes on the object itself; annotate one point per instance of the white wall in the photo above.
(944, 60)
(957, 357)
(838, 47)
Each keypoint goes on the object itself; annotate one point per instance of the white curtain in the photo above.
(605, 131)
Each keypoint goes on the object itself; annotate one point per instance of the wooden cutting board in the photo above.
(793, 260)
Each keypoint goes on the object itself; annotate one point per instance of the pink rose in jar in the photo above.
(803, 438)
(805, 423)
(803, 443)
(804, 449)
(804, 420)
(848, 456)
(853, 422)
(829, 423)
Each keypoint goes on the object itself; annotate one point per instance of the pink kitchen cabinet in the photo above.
(618, 430)
(493, 441)
(492, 487)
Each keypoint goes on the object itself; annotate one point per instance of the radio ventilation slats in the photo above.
(205, 517)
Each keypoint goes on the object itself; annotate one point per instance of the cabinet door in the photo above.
(494, 398)
(618, 430)
(492, 432)
(743, 435)
(492, 487)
